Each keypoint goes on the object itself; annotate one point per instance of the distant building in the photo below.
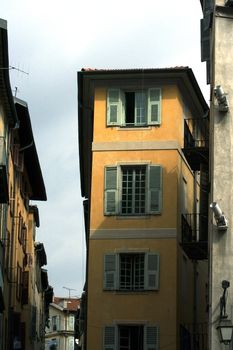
(24, 288)
(143, 143)
(60, 333)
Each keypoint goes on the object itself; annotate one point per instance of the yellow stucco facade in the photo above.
(116, 315)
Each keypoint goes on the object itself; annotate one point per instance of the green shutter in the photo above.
(110, 190)
(114, 107)
(109, 338)
(110, 271)
(151, 337)
(152, 271)
(205, 38)
(154, 106)
(155, 189)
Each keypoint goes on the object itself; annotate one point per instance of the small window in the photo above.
(55, 323)
(133, 190)
(134, 108)
(128, 337)
(131, 271)
(132, 268)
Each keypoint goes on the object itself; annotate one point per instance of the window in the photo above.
(19, 282)
(131, 272)
(134, 108)
(71, 323)
(128, 337)
(133, 190)
(55, 323)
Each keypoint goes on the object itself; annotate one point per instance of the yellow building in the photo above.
(24, 290)
(144, 167)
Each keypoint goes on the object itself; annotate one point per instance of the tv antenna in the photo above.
(14, 68)
(69, 289)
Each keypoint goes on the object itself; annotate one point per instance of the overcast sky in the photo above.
(51, 40)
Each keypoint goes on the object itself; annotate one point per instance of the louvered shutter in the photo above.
(151, 338)
(154, 106)
(155, 189)
(205, 37)
(140, 108)
(110, 190)
(152, 271)
(110, 338)
(110, 271)
(114, 107)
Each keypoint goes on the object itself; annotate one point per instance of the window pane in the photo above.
(113, 113)
(132, 271)
(113, 96)
(140, 107)
(133, 190)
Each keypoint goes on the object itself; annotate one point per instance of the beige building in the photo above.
(60, 335)
(143, 137)
(24, 289)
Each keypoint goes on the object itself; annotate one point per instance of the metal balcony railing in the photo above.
(194, 235)
(194, 127)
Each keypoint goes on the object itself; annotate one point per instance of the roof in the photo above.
(31, 159)
(5, 88)
(70, 304)
(89, 78)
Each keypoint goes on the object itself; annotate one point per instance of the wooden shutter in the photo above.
(152, 271)
(155, 189)
(151, 337)
(110, 338)
(110, 191)
(110, 271)
(114, 107)
(205, 37)
(154, 106)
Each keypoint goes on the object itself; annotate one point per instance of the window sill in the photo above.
(124, 292)
(133, 217)
(127, 128)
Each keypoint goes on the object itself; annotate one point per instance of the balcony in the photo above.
(196, 148)
(4, 196)
(194, 236)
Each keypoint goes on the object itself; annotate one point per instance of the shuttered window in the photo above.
(154, 106)
(110, 338)
(134, 108)
(131, 271)
(151, 338)
(155, 189)
(123, 337)
(111, 191)
(133, 190)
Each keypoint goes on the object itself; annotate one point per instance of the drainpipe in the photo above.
(196, 228)
(12, 251)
